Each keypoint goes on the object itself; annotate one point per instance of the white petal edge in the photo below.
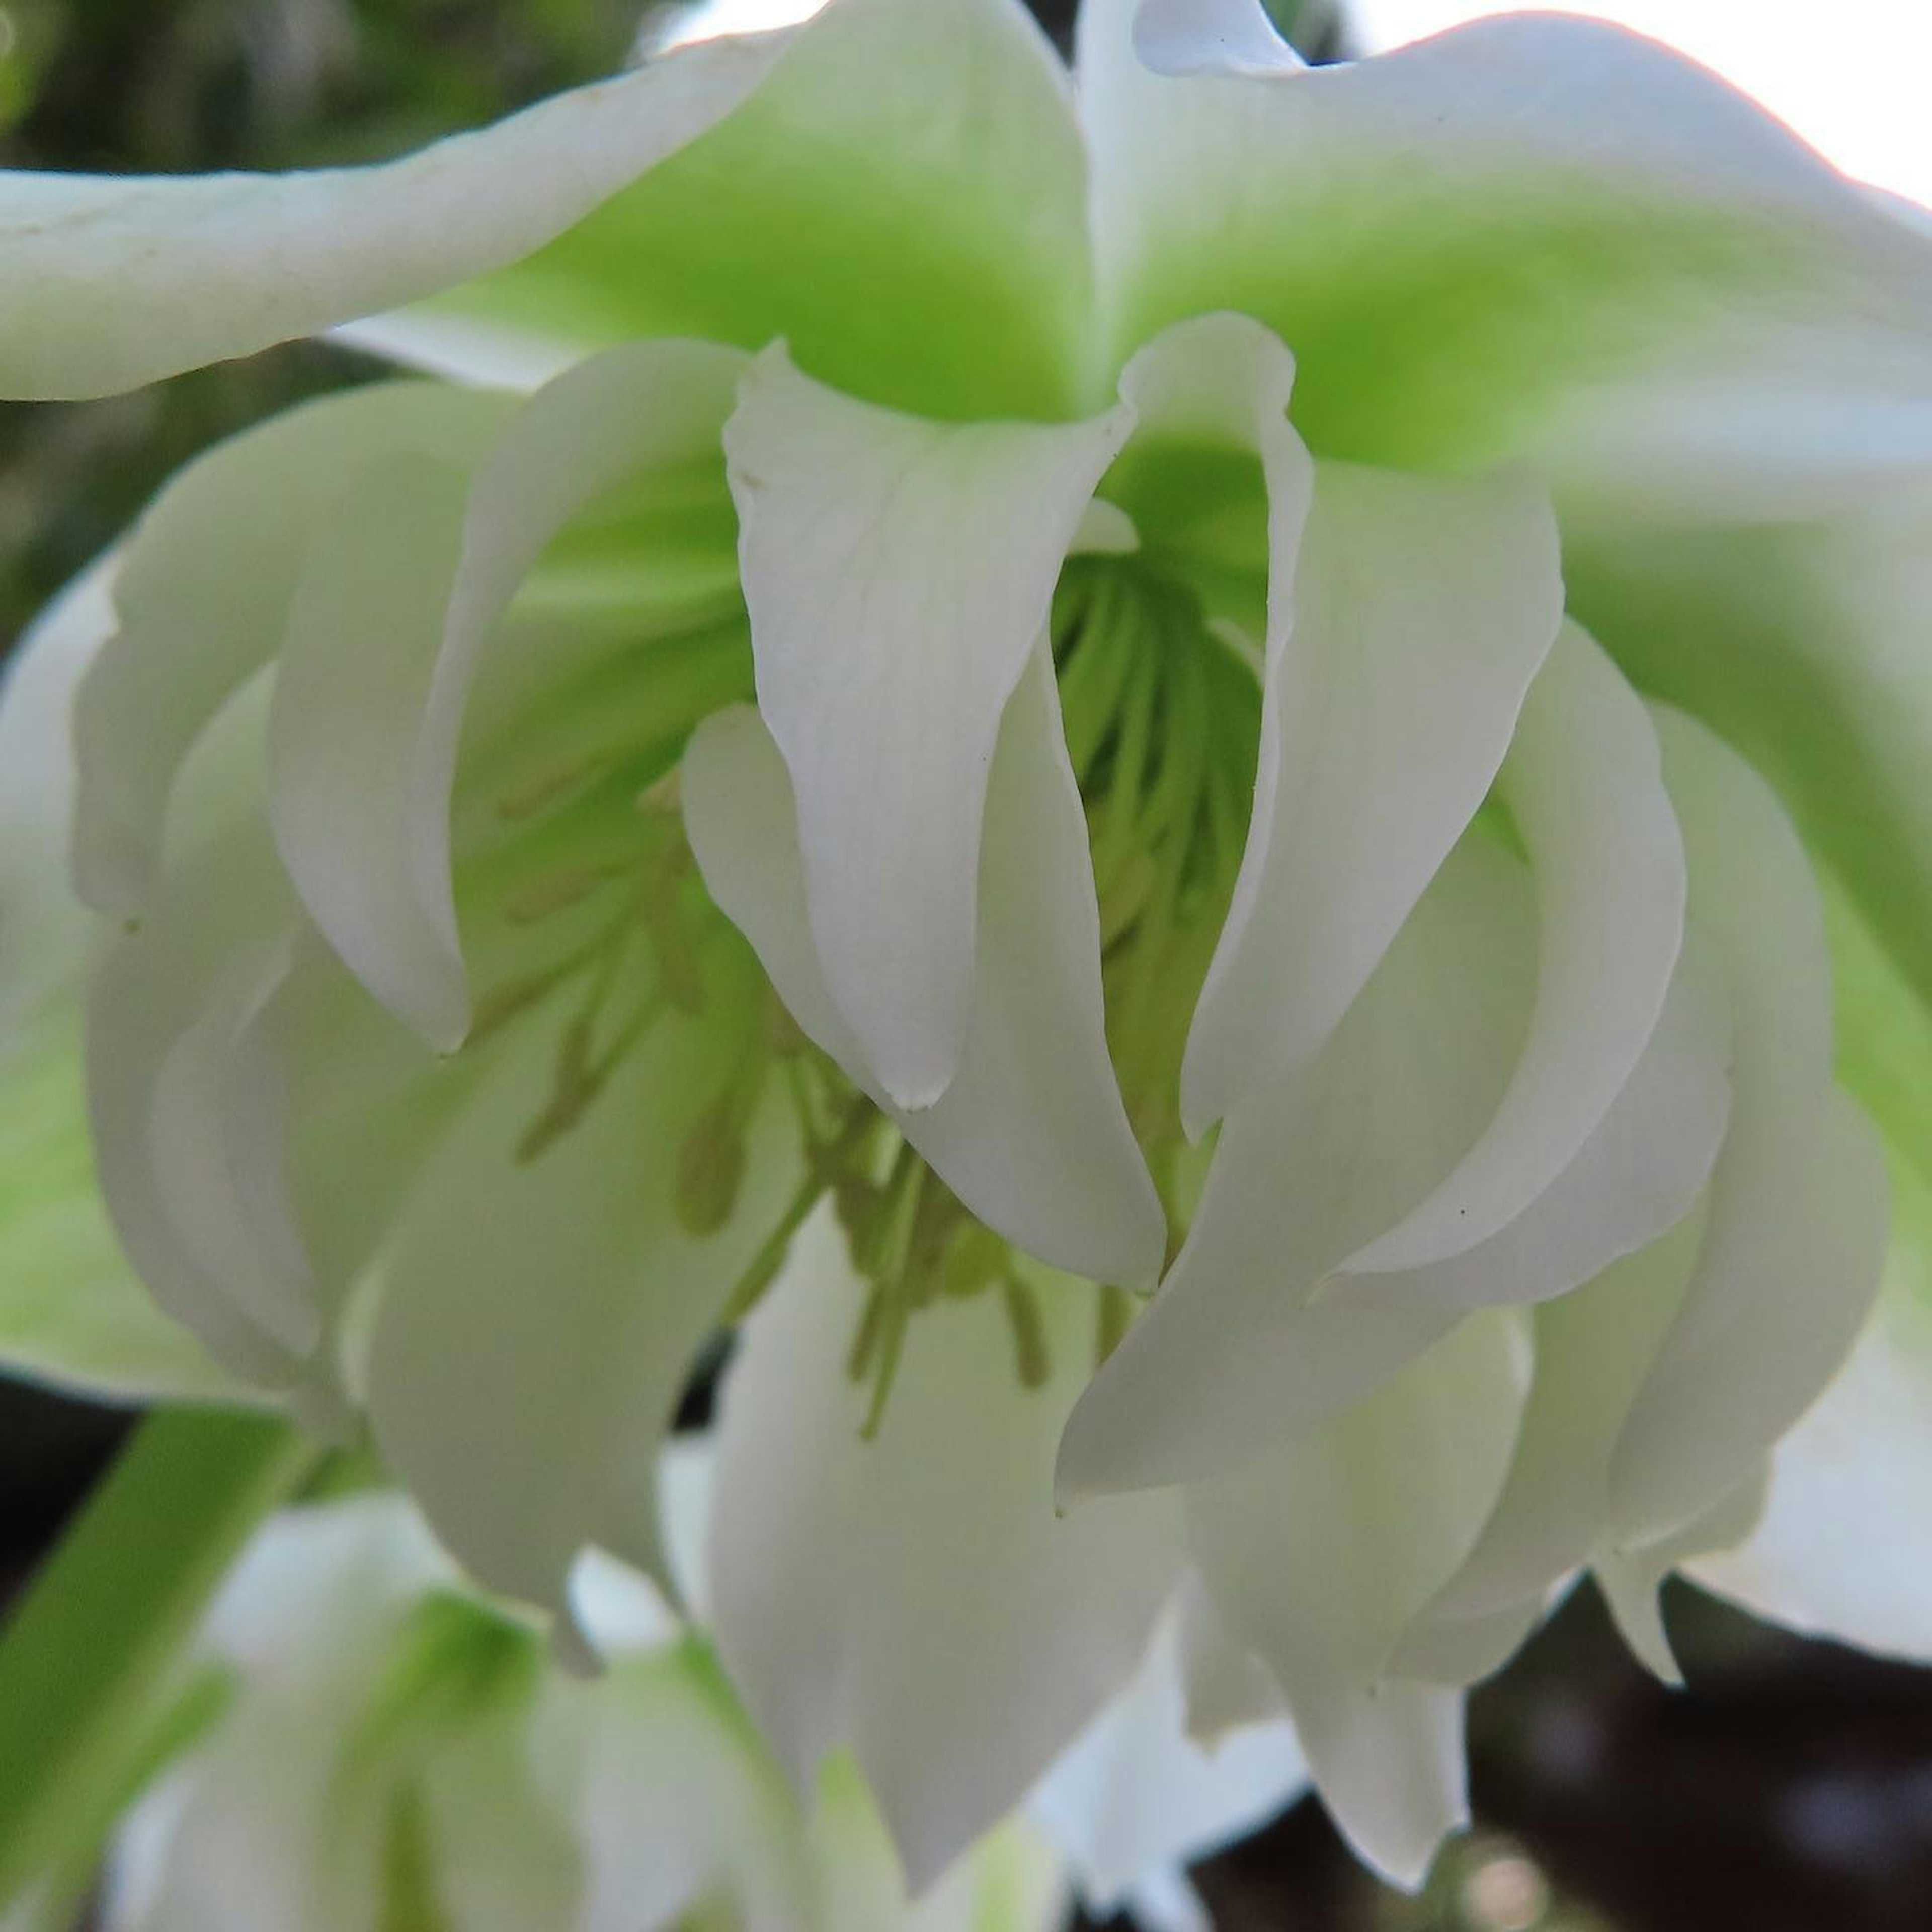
(1032, 1134)
(899, 572)
(1402, 639)
(1583, 782)
(121, 280)
(879, 1594)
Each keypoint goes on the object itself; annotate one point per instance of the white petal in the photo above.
(1792, 1253)
(898, 573)
(538, 1327)
(1781, 1288)
(1582, 780)
(202, 596)
(1136, 1793)
(1389, 1764)
(1631, 1580)
(671, 1802)
(412, 568)
(367, 610)
(1534, 237)
(903, 199)
(1219, 37)
(1233, 1354)
(43, 927)
(1320, 1553)
(1591, 1349)
(1401, 643)
(1639, 1173)
(220, 919)
(884, 1594)
(1844, 1547)
(72, 1311)
(1032, 1134)
(121, 280)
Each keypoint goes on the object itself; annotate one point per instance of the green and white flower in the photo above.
(378, 1747)
(1292, 687)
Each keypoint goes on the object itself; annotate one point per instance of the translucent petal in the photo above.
(882, 1594)
(903, 199)
(1401, 644)
(898, 573)
(1792, 1253)
(1136, 1793)
(1234, 1354)
(407, 579)
(1538, 237)
(1582, 781)
(534, 1337)
(1031, 1134)
(1844, 1547)
(202, 596)
(121, 280)
(1319, 1553)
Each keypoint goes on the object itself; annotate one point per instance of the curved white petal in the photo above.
(1844, 1548)
(1214, 37)
(349, 679)
(1590, 1351)
(1772, 1311)
(1320, 1553)
(1632, 1580)
(538, 1325)
(411, 569)
(116, 281)
(1582, 780)
(44, 926)
(1234, 1354)
(1536, 236)
(1401, 641)
(1032, 1134)
(883, 1593)
(1136, 1793)
(1639, 1173)
(183, 980)
(202, 596)
(898, 573)
(71, 1311)
(1792, 1253)
(903, 198)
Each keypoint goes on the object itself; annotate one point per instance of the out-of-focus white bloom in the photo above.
(1201, 675)
(382, 1748)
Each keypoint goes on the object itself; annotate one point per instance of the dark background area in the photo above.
(1788, 1789)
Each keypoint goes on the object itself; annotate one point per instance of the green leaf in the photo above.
(87, 1661)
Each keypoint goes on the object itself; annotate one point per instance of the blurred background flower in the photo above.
(1792, 1787)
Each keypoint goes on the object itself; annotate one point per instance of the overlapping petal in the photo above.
(903, 198)
(72, 1310)
(531, 1345)
(1234, 1353)
(1031, 1134)
(1582, 783)
(405, 581)
(882, 1594)
(1319, 1553)
(1533, 235)
(898, 573)
(1797, 1198)
(115, 281)
(1402, 641)
(202, 596)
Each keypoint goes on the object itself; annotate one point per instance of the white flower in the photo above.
(378, 1747)
(1271, 663)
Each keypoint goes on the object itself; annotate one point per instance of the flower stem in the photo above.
(87, 1662)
